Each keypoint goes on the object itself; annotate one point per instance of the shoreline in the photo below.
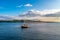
(29, 21)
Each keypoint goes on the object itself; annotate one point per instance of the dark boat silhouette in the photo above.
(25, 25)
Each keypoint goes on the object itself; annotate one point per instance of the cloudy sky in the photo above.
(16, 7)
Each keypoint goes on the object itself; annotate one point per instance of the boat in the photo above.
(24, 26)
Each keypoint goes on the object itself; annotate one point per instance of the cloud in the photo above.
(28, 5)
(40, 13)
(20, 6)
(46, 11)
(7, 17)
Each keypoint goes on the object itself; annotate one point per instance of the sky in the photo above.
(16, 7)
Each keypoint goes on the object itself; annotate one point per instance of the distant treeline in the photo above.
(11, 20)
(18, 21)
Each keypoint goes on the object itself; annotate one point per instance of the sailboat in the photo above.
(24, 25)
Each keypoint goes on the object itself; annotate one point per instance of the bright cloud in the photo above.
(44, 12)
(28, 5)
(20, 6)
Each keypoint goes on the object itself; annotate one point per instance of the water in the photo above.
(36, 31)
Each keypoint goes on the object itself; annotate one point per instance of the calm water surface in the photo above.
(36, 31)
